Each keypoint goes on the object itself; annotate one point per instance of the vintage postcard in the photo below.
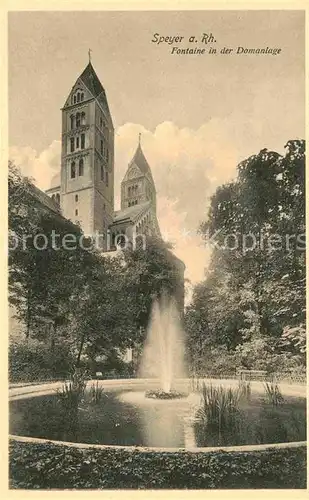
(156, 249)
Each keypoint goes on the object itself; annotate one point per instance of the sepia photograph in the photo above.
(156, 249)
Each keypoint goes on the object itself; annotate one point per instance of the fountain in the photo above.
(163, 354)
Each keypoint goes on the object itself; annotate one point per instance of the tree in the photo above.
(254, 291)
(69, 294)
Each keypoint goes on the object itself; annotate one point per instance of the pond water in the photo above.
(128, 419)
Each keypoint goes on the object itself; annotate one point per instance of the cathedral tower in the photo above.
(138, 186)
(87, 159)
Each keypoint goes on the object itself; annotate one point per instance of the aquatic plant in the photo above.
(159, 394)
(219, 414)
(273, 393)
(96, 393)
(244, 389)
(72, 390)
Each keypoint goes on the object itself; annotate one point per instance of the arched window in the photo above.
(82, 96)
(72, 121)
(83, 118)
(106, 178)
(76, 197)
(78, 97)
(81, 167)
(102, 172)
(77, 119)
(74, 99)
(77, 142)
(73, 170)
(72, 144)
(58, 198)
(82, 140)
(53, 197)
(129, 191)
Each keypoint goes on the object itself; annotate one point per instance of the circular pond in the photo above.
(119, 414)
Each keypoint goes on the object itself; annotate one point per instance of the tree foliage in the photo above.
(67, 293)
(252, 300)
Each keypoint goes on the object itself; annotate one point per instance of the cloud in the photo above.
(187, 166)
(41, 167)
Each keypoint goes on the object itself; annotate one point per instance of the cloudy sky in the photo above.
(199, 114)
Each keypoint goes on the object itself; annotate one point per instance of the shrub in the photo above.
(34, 361)
(51, 466)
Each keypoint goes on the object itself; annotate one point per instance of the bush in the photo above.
(218, 360)
(221, 362)
(113, 367)
(33, 361)
(51, 466)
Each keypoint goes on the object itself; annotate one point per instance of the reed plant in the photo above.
(220, 414)
(195, 384)
(72, 390)
(244, 389)
(273, 394)
(96, 393)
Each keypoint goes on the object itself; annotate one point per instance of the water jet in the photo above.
(163, 354)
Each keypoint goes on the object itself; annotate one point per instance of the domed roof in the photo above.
(55, 181)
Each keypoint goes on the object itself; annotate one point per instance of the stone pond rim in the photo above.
(31, 391)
